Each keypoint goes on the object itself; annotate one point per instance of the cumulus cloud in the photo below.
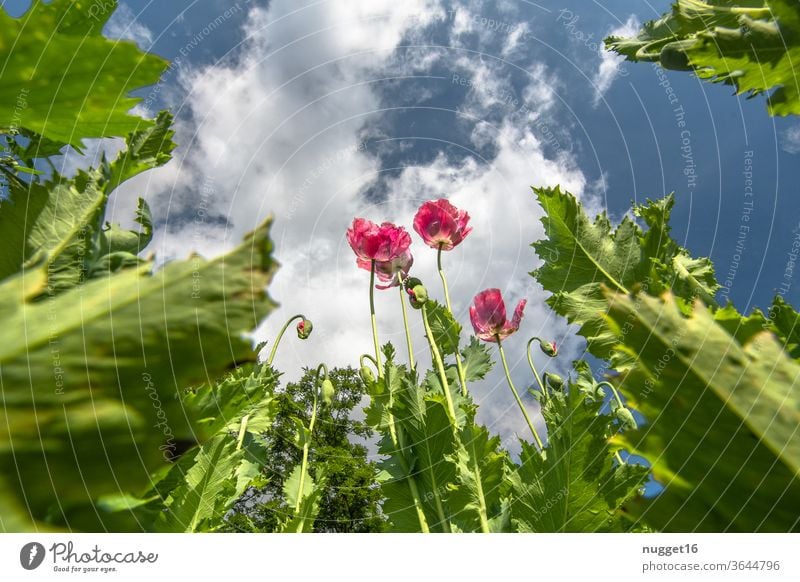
(611, 63)
(281, 130)
(124, 24)
(790, 139)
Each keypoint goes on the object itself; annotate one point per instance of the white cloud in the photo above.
(278, 131)
(124, 24)
(790, 139)
(611, 63)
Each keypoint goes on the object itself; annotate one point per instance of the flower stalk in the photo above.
(516, 395)
(550, 350)
(307, 443)
(374, 320)
(280, 336)
(459, 366)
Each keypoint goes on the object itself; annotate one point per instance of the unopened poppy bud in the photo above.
(304, 328)
(417, 293)
(366, 375)
(327, 391)
(625, 417)
(549, 348)
(556, 382)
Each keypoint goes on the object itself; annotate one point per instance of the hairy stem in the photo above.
(242, 432)
(459, 366)
(516, 395)
(542, 387)
(408, 330)
(374, 321)
(437, 357)
(307, 443)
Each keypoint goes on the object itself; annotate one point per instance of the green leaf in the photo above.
(477, 361)
(218, 406)
(66, 82)
(207, 489)
(785, 322)
(444, 327)
(298, 486)
(723, 415)
(480, 491)
(308, 492)
(416, 474)
(57, 221)
(581, 256)
(91, 377)
(753, 45)
(576, 486)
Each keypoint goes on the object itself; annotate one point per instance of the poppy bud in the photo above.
(625, 417)
(549, 348)
(327, 391)
(555, 381)
(366, 375)
(304, 328)
(417, 293)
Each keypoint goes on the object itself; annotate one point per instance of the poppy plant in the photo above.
(371, 242)
(488, 316)
(441, 225)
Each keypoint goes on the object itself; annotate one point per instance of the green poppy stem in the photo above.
(242, 432)
(280, 336)
(374, 321)
(398, 442)
(619, 403)
(459, 366)
(437, 358)
(516, 394)
(307, 444)
(408, 330)
(541, 384)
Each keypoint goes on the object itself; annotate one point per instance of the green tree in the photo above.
(351, 497)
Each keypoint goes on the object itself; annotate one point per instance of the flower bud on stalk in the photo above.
(417, 293)
(304, 328)
(327, 391)
(549, 348)
(555, 381)
(625, 418)
(367, 375)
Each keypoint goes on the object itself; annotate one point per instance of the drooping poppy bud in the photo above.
(625, 417)
(367, 375)
(304, 328)
(441, 225)
(549, 348)
(327, 391)
(488, 316)
(555, 381)
(417, 293)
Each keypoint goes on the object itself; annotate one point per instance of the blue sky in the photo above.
(320, 111)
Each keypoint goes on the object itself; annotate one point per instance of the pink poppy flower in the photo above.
(371, 242)
(440, 224)
(488, 316)
(392, 272)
